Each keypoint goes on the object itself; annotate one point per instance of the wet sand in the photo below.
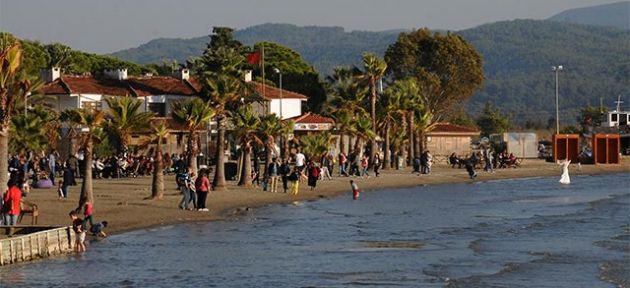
(122, 201)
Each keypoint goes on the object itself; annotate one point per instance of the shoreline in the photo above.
(121, 203)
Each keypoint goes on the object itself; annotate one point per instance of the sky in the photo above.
(101, 26)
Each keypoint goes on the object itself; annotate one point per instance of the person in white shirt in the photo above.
(299, 160)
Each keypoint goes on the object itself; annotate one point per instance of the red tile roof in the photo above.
(87, 85)
(161, 85)
(310, 118)
(274, 93)
(452, 128)
(146, 86)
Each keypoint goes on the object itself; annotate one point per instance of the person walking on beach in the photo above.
(202, 185)
(273, 170)
(364, 166)
(300, 160)
(342, 164)
(355, 190)
(487, 157)
(285, 170)
(294, 177)
(186, 187)
(12, 197)
(377, 164)
(79, 231)
(313, 175)
(470, 168)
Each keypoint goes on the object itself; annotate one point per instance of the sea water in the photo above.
(511, 233)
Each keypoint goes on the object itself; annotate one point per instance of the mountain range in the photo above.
(592, 43)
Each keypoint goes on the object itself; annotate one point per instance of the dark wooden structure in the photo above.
(606, 148)
(566, 146)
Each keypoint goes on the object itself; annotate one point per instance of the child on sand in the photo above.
(355, 190)
(60, 189)
(97, 229)
(77, 227)
(88, 210)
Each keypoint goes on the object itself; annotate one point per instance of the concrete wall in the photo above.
(445, 145)
(290, 107)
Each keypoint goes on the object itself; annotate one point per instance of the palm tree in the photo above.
(125, 118)
(374, 70)
(160, 132)
(13, 86)
(364, 131)
(246, 123)
(92, 120)
(409, 102)
(193, 114)
(317, 144)
(36, 131)
(221, 91)
(345, 125)
(270, 127)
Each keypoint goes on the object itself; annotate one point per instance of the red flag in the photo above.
(253, 58)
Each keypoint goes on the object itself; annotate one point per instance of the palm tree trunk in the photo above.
(268, 152)
(373, 115)
(157, 186)
(411, 136)
(246, 171)
(421, 141)
(418, 146)
(86, 186)
(342, 143)
(192, 151)
(4, 158)
(219, 171)
(387, 155)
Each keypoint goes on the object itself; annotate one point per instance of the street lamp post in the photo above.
(557, 69)
(280, 76)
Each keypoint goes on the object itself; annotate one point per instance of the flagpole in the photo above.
(263, 67)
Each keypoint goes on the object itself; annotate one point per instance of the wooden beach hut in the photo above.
(606, 148)
(566, 146)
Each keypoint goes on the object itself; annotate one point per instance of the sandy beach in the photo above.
(121, 201)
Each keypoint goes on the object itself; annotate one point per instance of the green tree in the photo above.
(125, 118)
(447, 67)
(315, 145)
(194, 115)
(160, 132)
(269, 128)
(374, 70)
(297, 75)
(34, 131)
(592, 116)
(58, 54)
(92, 120)
(492, 121)
(13, 86)
(246, 123)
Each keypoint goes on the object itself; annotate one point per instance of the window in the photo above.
(94, 105)
(158, 108)
(613, 117)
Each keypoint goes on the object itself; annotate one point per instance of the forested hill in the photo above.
(518, 56)
(611, 15)
(323, 47)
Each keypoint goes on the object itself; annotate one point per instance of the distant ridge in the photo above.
(610, 15)
(323, 47)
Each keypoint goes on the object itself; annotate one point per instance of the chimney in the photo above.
(116, 74)
(248, 76)
(50, 74)
(182, 74)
